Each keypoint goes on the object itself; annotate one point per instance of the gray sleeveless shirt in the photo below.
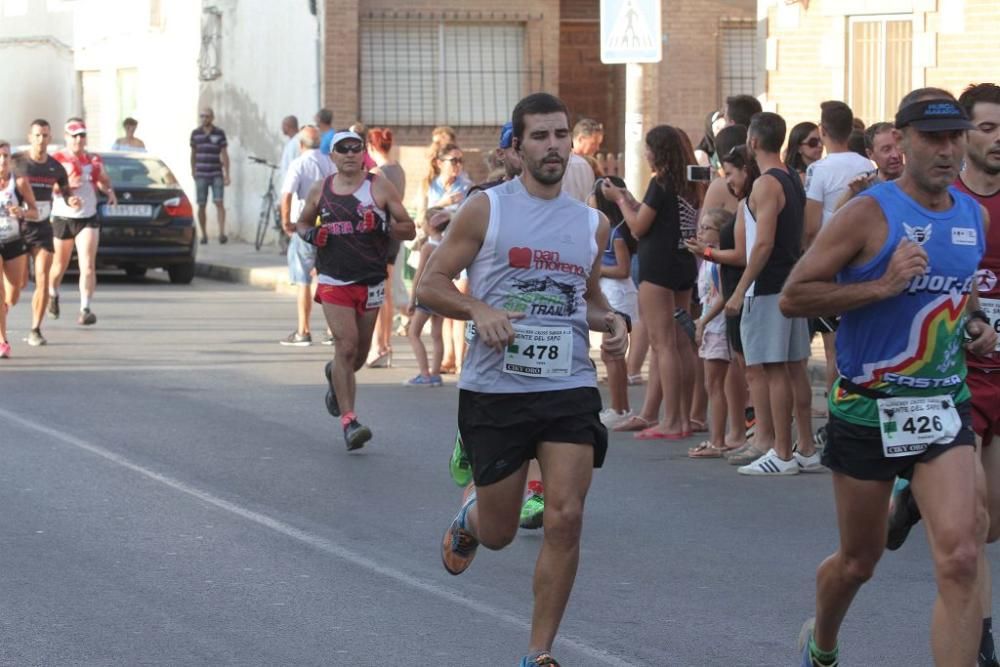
(535, 259)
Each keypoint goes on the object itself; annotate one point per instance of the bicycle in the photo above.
(270, 216)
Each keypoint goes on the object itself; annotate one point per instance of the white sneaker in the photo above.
(770, 464)
(610, 417)
(809, 463)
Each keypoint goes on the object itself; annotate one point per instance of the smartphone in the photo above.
(696, 172)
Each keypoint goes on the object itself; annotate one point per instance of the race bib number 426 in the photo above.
(909, 425)
(540, 352)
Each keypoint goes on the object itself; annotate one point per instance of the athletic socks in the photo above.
(822, 658)
(84, 303)
(347, 418)
(987, 651)
(52, 293)
(534, 486)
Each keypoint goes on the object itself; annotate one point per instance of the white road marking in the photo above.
(315, 541)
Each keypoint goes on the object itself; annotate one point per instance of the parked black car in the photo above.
(153, 223)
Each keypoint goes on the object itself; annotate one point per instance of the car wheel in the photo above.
(181, 274)
(135, 272)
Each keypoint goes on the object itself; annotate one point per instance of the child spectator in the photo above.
(430, 373)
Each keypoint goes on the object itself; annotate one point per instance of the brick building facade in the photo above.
(870, 53)
(411, 65)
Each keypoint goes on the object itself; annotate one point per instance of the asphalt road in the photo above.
(174, 493)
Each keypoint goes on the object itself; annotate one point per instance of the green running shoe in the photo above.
(532, 511)
(458, 466)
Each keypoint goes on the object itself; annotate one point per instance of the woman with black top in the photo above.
(741, 172)
(663, 220)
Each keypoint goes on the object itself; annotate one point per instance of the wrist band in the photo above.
(708, 253)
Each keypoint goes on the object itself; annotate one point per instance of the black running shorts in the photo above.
(65, 229)
(38, 235)
(856, 451)
(12, 250)
(500, 432)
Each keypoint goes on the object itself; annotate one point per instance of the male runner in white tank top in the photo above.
(528, 389)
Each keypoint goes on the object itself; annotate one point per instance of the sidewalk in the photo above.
(238, 262)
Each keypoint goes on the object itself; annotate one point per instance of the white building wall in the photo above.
(111, 35)
(267, 59)
(36, 74)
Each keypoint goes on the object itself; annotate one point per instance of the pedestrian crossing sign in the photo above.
(631, 31)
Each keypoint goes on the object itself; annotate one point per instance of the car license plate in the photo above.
(128, 211)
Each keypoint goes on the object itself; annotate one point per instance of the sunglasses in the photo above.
(454, 160)
(344, 149)
(811, 142)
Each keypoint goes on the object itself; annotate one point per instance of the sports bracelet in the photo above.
(708, 253)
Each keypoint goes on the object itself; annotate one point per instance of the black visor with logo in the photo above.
(941, 115)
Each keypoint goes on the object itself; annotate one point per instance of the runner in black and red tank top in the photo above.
(345, 217)
(981, 179)
(47, 177)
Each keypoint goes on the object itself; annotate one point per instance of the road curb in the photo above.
(269, 277)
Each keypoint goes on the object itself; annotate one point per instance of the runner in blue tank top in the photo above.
(528, 389)
(899, 265)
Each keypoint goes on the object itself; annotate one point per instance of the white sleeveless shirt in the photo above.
(10, 227)
(536, 258)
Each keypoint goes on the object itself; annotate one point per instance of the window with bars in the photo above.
(432, 72)
(738, 51)
(879, 65)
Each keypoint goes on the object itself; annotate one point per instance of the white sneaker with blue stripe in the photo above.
(770, 465)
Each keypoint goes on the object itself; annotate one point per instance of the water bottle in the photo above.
(683, 319)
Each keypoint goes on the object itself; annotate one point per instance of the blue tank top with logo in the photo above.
(911, 344)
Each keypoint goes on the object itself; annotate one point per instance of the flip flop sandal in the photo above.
(633, 423)
(705, 450)
(653, 434)
(744, 457)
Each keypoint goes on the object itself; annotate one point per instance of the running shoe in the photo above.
(54, 306)
(331, 398)
(903, 514)
(223, 239)
(458, 465)
(820, 437)
(327, 340)
(770, 465)
(538, 660)
(611, 417)
(383, 360)
(296, 339)
(805, 637)
(35, 338)
(5, 350)
(809, 463)
(532, 511)
(436, 381)
(419, 381)
(86, 318)
(458, 547)
(356, 435)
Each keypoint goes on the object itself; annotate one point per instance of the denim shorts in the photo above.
(203, 183)
(301, 260)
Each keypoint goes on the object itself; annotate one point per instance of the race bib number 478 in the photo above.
(540, 352)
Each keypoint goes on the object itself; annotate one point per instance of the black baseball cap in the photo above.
(938, 115)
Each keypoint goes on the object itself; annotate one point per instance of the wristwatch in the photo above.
(624, 316)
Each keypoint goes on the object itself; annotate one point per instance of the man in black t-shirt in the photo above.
(44, 173)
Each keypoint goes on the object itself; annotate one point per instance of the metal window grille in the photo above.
(737, 49)
(464, 69)
(210, 58)
(880, 65)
